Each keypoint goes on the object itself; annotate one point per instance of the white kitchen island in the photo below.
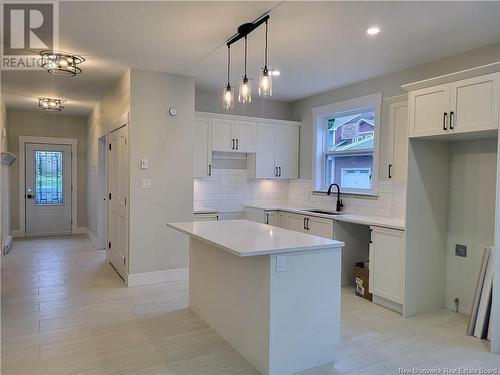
(272, 293)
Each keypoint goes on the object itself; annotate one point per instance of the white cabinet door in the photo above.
(265, 151)
(202, 149)
(398, 141)
(296, 222)
(287, 151)
(319, 227)
(222, 135)
(387, 250)
(244, 136)
(206, 217)
(474, 104)
(272, 218)
(428, 112)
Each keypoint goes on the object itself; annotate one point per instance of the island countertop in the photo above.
(247, 238)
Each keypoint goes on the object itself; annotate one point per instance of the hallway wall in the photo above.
(22, 123)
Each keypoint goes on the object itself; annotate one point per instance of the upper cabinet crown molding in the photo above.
(225, 116)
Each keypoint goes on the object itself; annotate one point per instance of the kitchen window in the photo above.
(346, 145)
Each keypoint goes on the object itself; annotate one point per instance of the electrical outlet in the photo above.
(461, 250)
(280, 263)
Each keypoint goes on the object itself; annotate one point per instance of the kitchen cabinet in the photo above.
(212, 216)
(462, 106)
(202, 150)
(232, 136)
(398, 141)
(387, 249)
(276, 218)
(277, 152)
(310, 224)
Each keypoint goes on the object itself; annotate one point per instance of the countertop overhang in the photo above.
(247, 238)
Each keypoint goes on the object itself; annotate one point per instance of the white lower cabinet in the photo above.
(387, 249)
(206, 217)
(316, 226)
(276, 218)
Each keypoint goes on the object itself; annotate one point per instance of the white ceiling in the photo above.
(317, 46)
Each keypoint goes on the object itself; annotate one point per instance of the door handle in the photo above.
(444, 121)
(451, 120)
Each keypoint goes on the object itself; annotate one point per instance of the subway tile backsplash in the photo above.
(229, 190)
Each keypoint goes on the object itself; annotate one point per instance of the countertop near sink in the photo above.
(379, 221)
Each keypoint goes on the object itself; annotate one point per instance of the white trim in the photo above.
(80, 230)
(320, 116)
(16, 233)
(73, 142)
(91, 237)
(119, 122)
(177, 274)
(6, 245)
(247, 118)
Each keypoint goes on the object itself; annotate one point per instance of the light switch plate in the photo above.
(146, 183)
(460, 250)
(280, 263)
(144, 163)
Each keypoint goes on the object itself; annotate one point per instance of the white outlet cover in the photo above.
(144, 163)
(280, 263)
(146, 183)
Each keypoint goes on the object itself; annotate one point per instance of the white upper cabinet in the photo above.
(474, 104)
(233, 136)
(202, 152)
(428, 111)
(277, 152)
(398, 141)
(464, 106)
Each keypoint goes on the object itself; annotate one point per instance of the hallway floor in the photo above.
(65, 311)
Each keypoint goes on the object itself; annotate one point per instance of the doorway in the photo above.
(48, 189)
(102, 194)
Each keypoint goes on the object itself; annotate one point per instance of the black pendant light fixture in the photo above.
(266, 83)
(245, 87)
(245, 93)
(228, 94)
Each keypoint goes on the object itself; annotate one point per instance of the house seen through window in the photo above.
(349, 150)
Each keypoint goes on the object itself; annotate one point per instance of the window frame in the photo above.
(320, 148)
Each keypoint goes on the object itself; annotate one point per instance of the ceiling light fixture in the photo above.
(50, 104)
(228, 95)
(245, 87)
(374, 30)
(245, 93)
(61, 63)
(266, 81)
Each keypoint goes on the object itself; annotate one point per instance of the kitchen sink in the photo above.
(323, 212)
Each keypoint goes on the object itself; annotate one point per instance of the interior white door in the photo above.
(475, 103)
(48, 189)
(287, 151)
(428, 113)
(118, 172)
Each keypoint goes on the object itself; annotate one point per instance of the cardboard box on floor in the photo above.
(361, 273)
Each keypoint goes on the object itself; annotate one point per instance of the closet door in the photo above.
(474, 104)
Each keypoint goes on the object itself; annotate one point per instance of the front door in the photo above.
(48, 189)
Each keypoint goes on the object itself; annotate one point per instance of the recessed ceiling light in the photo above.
(374, 30)
(275, 73)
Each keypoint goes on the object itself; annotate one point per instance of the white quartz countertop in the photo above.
(247, 238)
(379, 221)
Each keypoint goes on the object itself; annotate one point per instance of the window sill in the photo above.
(347, 193)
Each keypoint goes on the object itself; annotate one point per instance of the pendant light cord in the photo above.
(265, 55)
(228, 63)
(245, 56)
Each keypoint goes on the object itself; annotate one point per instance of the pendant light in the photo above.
(228, 93)
(266, 83)
(245, 92)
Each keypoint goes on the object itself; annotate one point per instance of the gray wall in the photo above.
(4, 180)
(42, 124)
(115, 103)
(265, 108)
(389, 85)
(166, 141)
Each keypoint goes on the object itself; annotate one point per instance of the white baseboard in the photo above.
(156, 277)
(16, 233)
(80, 230)
(6, 245)
(91, 237)
(388, 304)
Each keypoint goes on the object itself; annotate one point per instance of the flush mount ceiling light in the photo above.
(245, 87)
(50, 104)
(374, 30)
(61, 63)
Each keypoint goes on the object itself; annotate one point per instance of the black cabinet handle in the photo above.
(275, 171)
(233, 144)
(267, 218)
(237, 145)
(371, 230)
(305, 224)
(210, 169)
(451, 120)
(444, 121)
(279, 174)
(390, 167)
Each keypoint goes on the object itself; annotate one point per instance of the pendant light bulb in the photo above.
(266, 84)
(245, 92)
(228, 93)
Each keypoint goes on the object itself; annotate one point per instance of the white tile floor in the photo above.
(65, 311)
